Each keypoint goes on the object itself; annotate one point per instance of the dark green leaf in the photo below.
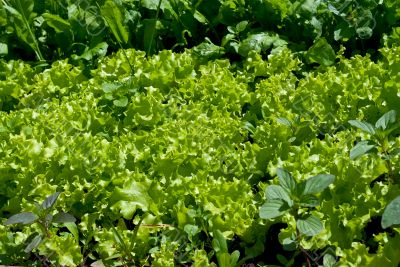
(33, 244)
(309, 201)
(57, 23)
(23, 217)
(63, 217)
(49, 201)
(322, 53)
(278, 192)
(286, 180)
(386, 119)
(318, 183)
(272, 209)
(360, 149)
(241, 26)
(391, 215)
(259, 42)
(365, 126)
(113, 16)
(310, 225)
(208, 50)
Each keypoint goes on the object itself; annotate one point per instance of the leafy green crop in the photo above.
(175, 163)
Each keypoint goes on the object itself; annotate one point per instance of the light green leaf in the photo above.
(112, 14)
(310, 225)
(391, 215)
(3, 49)
(272, 209)
(284, 121)
(286, 180)
(384, 121)
(23, 217)
(121, 102)
(365, 126)
(360, 149)
(278, 192)
(234, 257)
(219, 242)
(318, 183)
(71, 226)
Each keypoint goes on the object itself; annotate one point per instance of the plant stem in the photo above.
(155, 27)
(305, 254)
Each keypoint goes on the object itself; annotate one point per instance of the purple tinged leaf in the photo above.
(49, 201)
(24, 218)
(33, 244)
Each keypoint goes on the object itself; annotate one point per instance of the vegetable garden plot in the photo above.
(203, 164)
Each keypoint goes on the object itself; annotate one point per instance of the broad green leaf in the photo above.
(309, 201)
(113, 16)
(286, 180)
(49, 201)
(384, 121)
(23, 217)
(284, 121)
(272, 209)
(241, 26)
(259, 42)
(234, 258)
(309, 225)
(391, 215)
(63, 217)
(278, 192)
(360, 149)
(219, 242)
(322, 53)
(318, 183)
(34, 243)
(224, 259)
(365, 126)
(57, 23)
(121, 102)
(3, 49)
(289, 244)
(71, 226)
(329, 260)
(208, 50)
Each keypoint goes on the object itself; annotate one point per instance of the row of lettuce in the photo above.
(187, 148)
(87, 30)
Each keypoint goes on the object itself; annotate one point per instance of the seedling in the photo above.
(379, 140)
(296, 199)
(224, 258)
(43, 217)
